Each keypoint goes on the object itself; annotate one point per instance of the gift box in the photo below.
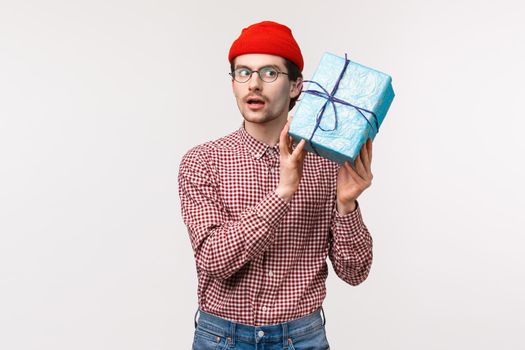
(343, 105)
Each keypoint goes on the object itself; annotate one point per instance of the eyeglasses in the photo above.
(267, 74)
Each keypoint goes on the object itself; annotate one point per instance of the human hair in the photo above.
(293, 74)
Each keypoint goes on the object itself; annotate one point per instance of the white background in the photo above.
(100, 99)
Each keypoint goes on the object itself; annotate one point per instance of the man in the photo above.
(263, 214)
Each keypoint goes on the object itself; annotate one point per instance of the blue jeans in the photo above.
(216, 333)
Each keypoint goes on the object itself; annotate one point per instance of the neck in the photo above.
(267, 133)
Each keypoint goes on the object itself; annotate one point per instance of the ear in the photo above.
(296, 88)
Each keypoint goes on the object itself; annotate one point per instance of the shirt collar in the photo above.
(255, 147)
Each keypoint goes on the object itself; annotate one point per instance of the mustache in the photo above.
(255, 96)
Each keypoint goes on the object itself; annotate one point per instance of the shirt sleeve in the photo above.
(222, 244)
(350, 247)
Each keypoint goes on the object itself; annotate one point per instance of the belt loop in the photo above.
(231, 338)
(195, 317)
(285, 334)
(324, 317)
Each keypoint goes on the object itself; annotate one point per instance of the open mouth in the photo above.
(255, 103)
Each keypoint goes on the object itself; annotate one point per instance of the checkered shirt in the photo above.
(260, 260)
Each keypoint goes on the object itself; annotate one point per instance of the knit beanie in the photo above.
(268, 38)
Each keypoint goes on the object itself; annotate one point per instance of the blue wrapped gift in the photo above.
(344, 105)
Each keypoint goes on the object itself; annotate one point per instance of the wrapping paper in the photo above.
(361, 86)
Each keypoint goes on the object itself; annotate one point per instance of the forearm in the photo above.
(221, 250)
(351, 248)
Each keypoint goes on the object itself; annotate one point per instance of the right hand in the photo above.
(291, 164)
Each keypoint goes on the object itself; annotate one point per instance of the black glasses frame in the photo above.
(257, 71)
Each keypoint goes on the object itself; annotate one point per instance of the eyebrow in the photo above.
(268, 65)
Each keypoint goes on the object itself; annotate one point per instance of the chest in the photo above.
(245, 183)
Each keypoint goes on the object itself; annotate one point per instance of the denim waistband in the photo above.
(260, 334)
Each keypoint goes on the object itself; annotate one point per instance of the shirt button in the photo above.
(270, 274)
(264, 308)
(260, 334)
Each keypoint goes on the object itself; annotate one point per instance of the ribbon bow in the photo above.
(330, 98)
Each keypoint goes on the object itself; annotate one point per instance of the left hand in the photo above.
(352, 182)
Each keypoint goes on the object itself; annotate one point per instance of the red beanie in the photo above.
(270, 38)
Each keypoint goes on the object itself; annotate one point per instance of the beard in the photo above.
(259, 117)
(262, 116)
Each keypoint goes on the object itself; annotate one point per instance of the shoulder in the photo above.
(205, 154)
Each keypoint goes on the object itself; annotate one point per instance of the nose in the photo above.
(255, 82)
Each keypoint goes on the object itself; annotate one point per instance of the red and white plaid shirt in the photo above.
(259, 259)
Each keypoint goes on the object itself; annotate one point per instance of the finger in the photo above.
(284, 131)
(364, 153)
(365, 158)
(299, 150)
(301, 157)
(303, 150)
(359, 167)
(370, 150)
(283, 144)
(353, 173)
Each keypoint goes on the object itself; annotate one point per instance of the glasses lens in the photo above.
(268, 74)
(242, 75)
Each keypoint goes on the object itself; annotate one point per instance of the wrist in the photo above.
(284, 194)
(347, 207)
